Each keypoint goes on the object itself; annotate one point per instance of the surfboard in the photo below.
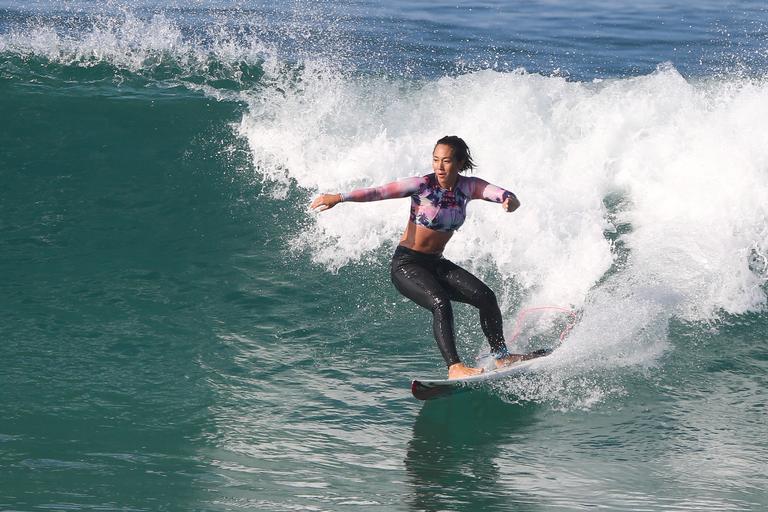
(428, 389)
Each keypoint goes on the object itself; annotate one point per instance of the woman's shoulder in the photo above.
(410, 184)
(427, 180)
(468, 183)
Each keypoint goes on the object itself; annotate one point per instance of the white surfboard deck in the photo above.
(428, 389)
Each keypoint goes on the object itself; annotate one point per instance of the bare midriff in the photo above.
(422, 239)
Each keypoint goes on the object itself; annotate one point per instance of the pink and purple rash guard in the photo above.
(431, 206)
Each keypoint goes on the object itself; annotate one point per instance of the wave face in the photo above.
(170, 306)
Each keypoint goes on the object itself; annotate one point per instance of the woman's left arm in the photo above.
(481, 189)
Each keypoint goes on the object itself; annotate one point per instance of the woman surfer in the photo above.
(418, 269)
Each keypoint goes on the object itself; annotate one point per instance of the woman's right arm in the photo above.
(393, 190)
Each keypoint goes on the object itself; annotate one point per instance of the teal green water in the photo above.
(162, 349)
(169, 341)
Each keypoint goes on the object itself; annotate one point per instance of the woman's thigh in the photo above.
(420, 284)
(462, 285)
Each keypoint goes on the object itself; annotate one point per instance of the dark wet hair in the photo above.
(460, 151)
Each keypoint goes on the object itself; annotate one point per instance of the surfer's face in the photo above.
(445, 166)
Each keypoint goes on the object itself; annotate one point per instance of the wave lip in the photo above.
(127, 47)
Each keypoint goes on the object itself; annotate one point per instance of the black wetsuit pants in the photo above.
(432, 282)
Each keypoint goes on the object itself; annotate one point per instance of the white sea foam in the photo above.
(688, 162)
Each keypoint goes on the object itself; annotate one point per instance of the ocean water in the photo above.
(179, 332)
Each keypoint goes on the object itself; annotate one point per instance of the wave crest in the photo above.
(126, 46)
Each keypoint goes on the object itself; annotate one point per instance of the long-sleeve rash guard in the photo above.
(431, 206)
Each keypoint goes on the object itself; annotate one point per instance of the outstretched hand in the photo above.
(325, 201)
(510, 204)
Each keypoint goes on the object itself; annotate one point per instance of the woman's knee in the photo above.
(485, 298)
(440, 303)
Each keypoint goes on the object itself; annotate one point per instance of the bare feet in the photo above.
(458, 370)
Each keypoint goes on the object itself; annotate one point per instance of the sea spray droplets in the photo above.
(124, 42)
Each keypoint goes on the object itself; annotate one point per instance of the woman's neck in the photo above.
(449, 183)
